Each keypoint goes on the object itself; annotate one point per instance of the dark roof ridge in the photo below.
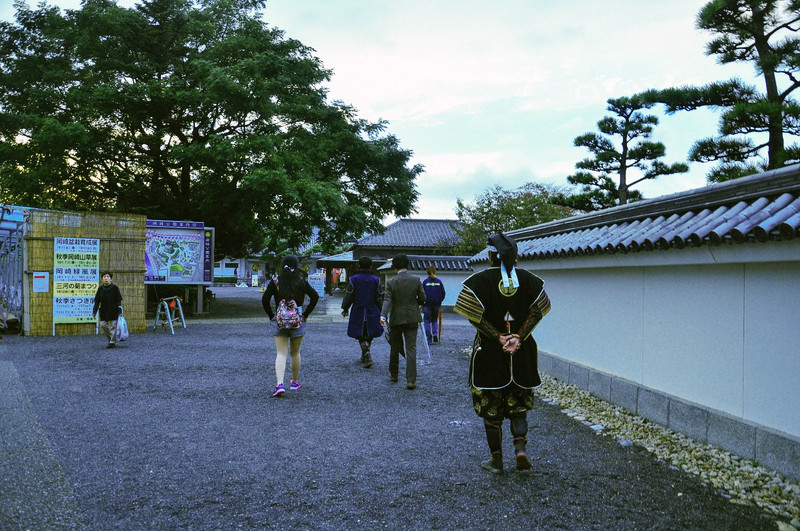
(769, 183)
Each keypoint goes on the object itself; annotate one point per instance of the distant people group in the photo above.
(502, 302)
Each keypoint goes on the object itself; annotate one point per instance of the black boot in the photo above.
(519, 429)
(364, 351)
(494, 438)
(495, 464)
(366, 359)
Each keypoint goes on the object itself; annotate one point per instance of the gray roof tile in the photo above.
(419, 233)
(757, 208)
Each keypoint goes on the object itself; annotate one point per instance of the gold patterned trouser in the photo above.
(503, 403)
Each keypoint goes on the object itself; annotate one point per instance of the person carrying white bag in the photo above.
(108, 300)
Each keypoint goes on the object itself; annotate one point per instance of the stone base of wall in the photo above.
(771, 448)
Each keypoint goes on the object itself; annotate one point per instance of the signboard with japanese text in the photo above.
(178, 252)
(317, 281)
(76, 273)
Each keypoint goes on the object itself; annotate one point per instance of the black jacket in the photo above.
(108, 299)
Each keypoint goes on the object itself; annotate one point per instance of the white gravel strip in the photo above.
(743, 481)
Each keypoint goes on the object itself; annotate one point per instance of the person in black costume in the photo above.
(109, 300)
(504, 304)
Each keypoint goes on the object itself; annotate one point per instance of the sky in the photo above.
(494, 93)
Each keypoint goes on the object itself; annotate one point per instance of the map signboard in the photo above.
(76, 270)
(178, 252)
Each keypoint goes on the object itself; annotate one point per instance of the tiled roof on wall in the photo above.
(420, 233)
(419, 262)
(757, 208)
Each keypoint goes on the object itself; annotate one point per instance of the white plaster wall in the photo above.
(452, 285)
(771, 378)
(693, 334)
(724, 335)
(595, 319)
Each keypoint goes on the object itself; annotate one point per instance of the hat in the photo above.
(506, 249)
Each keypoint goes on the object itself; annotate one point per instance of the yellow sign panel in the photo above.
(76, 270)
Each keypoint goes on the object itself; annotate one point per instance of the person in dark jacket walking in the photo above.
(402, 300)
(290, 284)
(434, 296)
(504, 304)
(362, 301)
(108, 300)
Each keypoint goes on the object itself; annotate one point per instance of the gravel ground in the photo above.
(180, 432)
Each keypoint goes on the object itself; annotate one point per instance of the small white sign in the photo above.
(41, 282)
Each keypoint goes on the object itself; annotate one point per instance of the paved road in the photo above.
(180, 432)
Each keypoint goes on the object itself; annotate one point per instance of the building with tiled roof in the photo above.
(410, 236)
(683, 309)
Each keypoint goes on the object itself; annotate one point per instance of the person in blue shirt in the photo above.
(434, 296)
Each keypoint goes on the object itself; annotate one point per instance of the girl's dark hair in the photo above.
(290, 278)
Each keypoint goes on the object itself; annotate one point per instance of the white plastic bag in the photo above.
(122, 328)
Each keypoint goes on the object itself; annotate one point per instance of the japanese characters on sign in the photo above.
(76, 273)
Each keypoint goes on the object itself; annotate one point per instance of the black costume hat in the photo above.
(505, 247)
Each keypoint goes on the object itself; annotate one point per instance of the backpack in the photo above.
(288, 315)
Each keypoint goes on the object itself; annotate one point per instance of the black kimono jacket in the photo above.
(494, 309)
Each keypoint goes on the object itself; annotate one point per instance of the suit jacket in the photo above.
(402, 298)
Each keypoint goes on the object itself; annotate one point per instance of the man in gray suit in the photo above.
(402, 300)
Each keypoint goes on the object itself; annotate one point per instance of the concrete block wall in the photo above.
(773, 449)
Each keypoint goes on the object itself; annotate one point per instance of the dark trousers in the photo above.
(399, 334)
(430, 315)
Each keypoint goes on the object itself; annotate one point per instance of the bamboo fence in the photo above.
(122, 250)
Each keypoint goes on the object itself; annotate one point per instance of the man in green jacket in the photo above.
(402, 302)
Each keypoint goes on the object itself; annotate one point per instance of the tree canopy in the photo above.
(622, 146)
(498, 209)
(765, 34)
(190, 110)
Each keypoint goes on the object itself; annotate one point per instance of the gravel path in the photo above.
(180, 432)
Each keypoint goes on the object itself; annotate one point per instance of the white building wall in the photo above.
(693, 334)
(771, 378)
(718, 327)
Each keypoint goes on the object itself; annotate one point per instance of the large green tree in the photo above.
(198, 110)
(498, 209)
(622, 157)
(763, 33)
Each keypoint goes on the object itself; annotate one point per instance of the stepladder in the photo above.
(168, 313)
